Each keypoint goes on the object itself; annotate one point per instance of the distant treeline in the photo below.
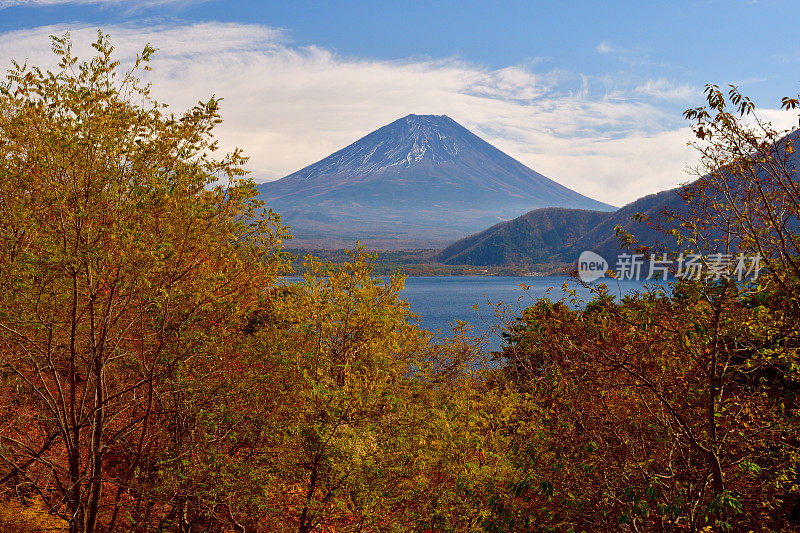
(422, 263)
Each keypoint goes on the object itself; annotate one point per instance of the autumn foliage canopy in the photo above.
(158, 372)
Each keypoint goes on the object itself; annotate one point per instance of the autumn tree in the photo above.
(156, 375)
(747, 193)
(674, 410)
(125, 263)
(370, 424)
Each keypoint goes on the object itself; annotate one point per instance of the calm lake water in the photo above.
(440, 300)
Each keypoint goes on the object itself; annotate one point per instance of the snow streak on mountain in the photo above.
(421, 181)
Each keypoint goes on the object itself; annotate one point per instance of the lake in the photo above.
(440, 300)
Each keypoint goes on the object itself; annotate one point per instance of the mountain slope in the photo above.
(423, 180)
(560, 235)
(530, 238)
(602, 238)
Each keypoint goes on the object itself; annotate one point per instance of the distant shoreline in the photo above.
(421, 263)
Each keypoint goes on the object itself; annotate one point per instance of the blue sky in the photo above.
(589, 93)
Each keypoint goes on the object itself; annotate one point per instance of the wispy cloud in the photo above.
(604, 48)
(631, 56)
(662, 89)
(288, 106)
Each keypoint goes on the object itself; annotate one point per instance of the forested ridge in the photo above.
(157, 373)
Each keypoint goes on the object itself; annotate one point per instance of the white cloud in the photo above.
(662, 89)
(604, 48)
(779, 119)
(288, 106)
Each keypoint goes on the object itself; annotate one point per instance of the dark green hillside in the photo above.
(559, 235)
(532, 238)
(603, 238)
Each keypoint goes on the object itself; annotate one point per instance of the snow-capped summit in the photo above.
(423, 180)
(403, 143)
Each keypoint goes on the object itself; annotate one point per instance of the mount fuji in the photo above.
(422, 181)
